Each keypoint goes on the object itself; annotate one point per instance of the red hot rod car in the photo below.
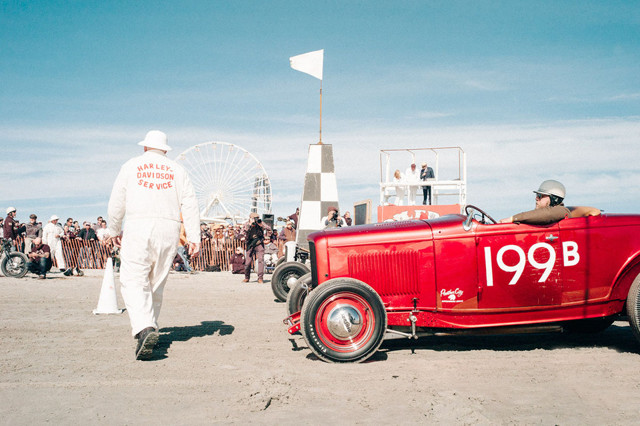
(465, 274)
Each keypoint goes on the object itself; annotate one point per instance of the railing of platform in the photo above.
(455, 185)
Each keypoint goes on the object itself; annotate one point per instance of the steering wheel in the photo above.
(468, 209)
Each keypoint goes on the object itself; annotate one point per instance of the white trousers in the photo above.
(56, 250)
(58, 253)
(148, 248)
(413, 190)
(399, 196)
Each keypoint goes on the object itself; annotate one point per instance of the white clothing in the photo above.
(51, 234)
(148, 249)
(102, 233)
(412, 176)
(399, 190)
(151, 191)
(152, 186)
(270, 258)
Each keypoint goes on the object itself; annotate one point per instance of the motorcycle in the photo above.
(12, 263)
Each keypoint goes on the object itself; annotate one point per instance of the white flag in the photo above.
(309, 63)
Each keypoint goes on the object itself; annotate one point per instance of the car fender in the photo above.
(625, 276)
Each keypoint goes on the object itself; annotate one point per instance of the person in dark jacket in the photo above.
(87, 234)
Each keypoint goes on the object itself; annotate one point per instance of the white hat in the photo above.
(155, 139)
(10, 209)
(54, 217)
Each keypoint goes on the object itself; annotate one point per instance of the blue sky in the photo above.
(530, 90)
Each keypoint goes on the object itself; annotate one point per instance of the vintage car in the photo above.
(463, 274)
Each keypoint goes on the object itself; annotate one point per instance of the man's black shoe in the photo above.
(79, 272)
(68, 272)
(147, 340)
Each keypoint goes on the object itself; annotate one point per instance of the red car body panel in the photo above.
(490, 275)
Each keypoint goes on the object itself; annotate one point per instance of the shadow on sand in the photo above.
(168, 335)
(617, 337)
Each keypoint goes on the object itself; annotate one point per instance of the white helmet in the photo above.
(10, 209)
(155, 139)
(554, 189)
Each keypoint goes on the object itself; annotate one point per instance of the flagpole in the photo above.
(320, 142)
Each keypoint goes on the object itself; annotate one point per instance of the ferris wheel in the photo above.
(230, 183)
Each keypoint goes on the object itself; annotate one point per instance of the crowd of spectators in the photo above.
(73, 246)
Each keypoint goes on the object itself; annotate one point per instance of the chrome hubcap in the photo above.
(291, 280)
(344, 322)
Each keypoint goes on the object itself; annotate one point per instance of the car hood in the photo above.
(406, 230)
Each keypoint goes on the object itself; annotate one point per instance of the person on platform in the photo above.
(398, 180)
(39, 258)
(412, 175)
(151, 191)
(549, 206)
(255, 230)
(426, 173)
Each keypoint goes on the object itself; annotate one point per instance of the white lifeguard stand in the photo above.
(449, 165)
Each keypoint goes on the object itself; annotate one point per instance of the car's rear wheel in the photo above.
(633, 307)
(343, 320)
(298, 293)
(284, 277)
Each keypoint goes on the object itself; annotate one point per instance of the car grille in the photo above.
(312, 260)
(389, 274)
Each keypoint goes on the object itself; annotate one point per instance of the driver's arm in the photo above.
(506, 220)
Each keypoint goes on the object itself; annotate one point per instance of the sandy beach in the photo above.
(224, 356)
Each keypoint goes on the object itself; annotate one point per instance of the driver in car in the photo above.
(549, 207)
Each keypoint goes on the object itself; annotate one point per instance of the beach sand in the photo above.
(224, 356)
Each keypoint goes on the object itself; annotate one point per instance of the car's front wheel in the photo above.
(343, 320)
(297, 294)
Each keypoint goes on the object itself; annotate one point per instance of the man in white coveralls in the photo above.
(151, 191)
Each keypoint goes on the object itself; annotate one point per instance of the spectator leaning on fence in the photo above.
(70, 229)
(205, 234)
(103, 232)
(96, 226)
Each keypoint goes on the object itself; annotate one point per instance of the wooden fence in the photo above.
(93, 254)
